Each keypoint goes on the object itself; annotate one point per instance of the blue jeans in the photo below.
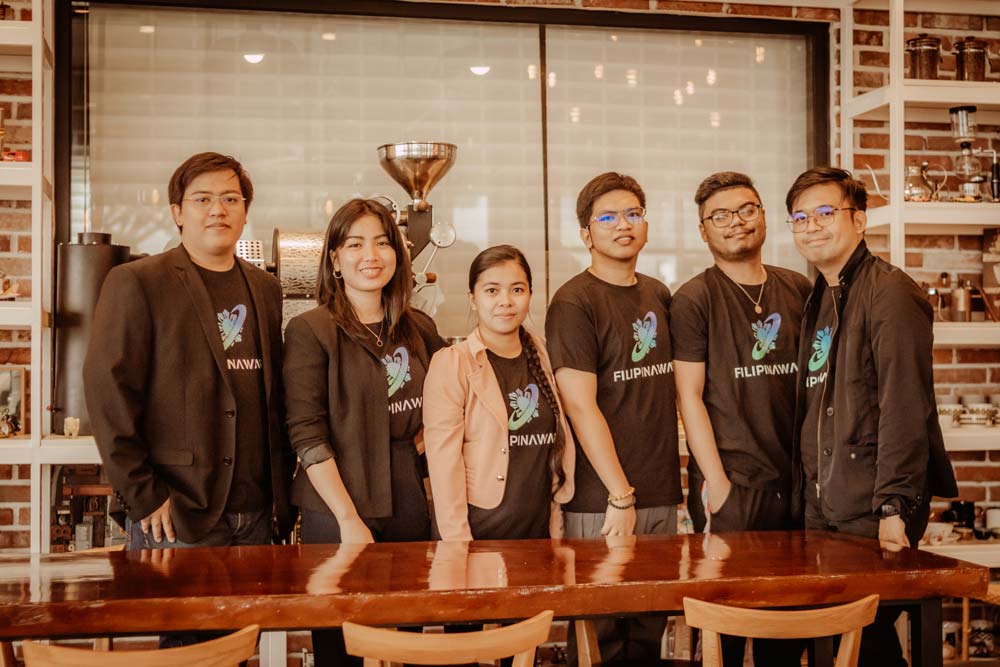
(233, 529)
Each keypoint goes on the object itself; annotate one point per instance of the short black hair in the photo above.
(719, 181)
(852, 189)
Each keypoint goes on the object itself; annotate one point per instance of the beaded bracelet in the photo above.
(630, 492)
(622, 507)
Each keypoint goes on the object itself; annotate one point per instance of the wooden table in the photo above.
(308, 586)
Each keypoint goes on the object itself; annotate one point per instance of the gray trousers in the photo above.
(623, 638)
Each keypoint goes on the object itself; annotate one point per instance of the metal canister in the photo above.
(970, 59)
(925, 55)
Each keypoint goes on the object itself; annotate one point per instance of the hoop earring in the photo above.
(337, 274)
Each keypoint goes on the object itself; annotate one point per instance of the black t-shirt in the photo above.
(817, 372)
(751, 362)
(524, 511)
(621, 334)
(404, 375)
(237, 325)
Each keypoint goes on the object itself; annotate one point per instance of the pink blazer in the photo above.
(466, 435)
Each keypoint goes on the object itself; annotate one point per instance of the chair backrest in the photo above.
(381, 646)
(845, 620)
(227, 651)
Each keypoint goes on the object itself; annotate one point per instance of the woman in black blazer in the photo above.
(354, 368)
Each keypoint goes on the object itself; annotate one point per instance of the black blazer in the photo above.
(159, 398)
(337, 402)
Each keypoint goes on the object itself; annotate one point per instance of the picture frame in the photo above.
(13, 400)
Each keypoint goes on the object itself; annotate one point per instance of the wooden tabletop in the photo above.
(306, 586)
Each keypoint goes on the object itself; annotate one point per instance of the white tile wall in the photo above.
(306, 122)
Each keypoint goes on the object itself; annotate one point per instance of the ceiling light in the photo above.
(532, 72)
(678, 97)
(598, 71)
(328, 36)
(759, 53)
(710, 77)
(689, 88)
(574, 115)
(253, 58)
(147, 29)
(714, 119)
(480, 70)
(552, 79)
(632, 77)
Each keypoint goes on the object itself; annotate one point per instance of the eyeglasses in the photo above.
(724, 217)
(822, 215)
(206, 202)
(633, 216)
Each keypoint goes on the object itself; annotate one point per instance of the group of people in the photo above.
(803, 404)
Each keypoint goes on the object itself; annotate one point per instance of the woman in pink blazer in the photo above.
(498, 447)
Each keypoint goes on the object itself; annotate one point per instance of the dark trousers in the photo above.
(410, 522)
(748, 508)
(233, 529)
(879, 642)
(623, 638)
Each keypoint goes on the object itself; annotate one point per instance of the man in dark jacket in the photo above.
(183, 377)
(867, 433)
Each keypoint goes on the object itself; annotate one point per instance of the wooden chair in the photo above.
(845, 620)
(379, 646)
(225, 651)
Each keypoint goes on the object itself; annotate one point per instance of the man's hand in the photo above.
(618, 522)
(418, 441)
(160, 522)
(893, 530)
(354, 531)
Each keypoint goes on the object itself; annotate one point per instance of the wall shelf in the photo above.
(938, 95)
(60, 450)
(971, 438)
(16, 38)
(967, 334)
(15, 313)
(936, 217)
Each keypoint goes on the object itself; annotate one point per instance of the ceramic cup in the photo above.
(969, 399)
(71, 426)
(993, 517)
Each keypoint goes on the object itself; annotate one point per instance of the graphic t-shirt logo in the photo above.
(525, 405)
(231, 325)
(397, 369)
(644, 333)
(821, 348)
(765, 335)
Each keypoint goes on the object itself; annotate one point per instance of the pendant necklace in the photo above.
(756, 302)
(378, 336)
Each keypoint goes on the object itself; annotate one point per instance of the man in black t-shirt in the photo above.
(735, 330)
(183, 377)
(608, 338)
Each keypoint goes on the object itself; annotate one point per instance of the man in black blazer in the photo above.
(183, 377)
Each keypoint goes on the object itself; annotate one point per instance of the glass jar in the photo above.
(925, 55)
(914, 188)
(970, 59)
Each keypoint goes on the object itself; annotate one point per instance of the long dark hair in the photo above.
(485, 260)
(396, 293)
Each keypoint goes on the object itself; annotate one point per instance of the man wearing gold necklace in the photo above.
(734, 329)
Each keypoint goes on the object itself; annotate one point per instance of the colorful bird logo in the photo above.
(765, 335)
(397, 369)
(821, 348)
(525, 405)
(644, 334)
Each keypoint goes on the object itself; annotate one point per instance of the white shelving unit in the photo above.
(918, 100)
(25, 46)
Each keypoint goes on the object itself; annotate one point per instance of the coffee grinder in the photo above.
(968, 168)
(417, 167)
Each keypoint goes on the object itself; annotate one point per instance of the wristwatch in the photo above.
(887, 510)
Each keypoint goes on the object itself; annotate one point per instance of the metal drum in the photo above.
(296, 260)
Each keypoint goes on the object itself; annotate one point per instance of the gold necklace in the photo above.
(756, 302)
(378, 336)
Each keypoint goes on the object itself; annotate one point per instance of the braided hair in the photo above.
(485, 260)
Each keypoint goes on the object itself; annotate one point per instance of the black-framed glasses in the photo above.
(206, 201)
(632, 216)
(723, 217)
(823, 215)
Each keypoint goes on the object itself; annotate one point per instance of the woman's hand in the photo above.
(354, 531)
